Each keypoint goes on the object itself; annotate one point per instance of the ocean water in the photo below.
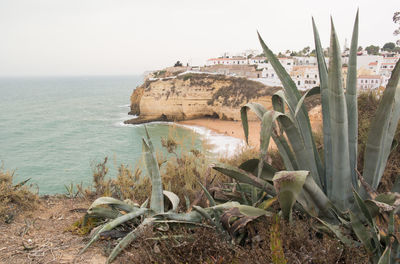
(53, 130)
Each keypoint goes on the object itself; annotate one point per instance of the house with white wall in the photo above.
(368, 82)
(305, 77)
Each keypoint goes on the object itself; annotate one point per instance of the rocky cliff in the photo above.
(192, 96)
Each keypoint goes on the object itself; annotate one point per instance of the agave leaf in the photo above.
(207, 193)
(385, 258)
(258, 109)
(363, 234)
(207, 216)
(323, 77)
(268, 203)
(388, 198)
(114, 223)
(278, 101)
(339, 189)
(312, 91)
(243, 195)
(145, 203)
(104, 212)
(109, 201)
(351, 102)
(304, 158)
(337, 232)
(192, 216)
(252, 211)
(157, 198)
(245, 177)
(267, 125)
(285, 152)
(251, 166)
(382, 129)
(173, 198)
(137, 232)
(364, 209)
(288, 185)
(187, 202)
(293, 96)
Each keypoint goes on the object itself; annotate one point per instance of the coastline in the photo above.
(227, 128)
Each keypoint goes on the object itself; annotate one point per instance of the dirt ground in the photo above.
(41, 236)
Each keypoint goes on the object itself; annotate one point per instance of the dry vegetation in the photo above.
(14, 198)
(54, 231)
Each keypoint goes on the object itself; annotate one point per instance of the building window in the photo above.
(308, 76)
(362, 81)
(298, 82)
(316, 76)
(315, 82)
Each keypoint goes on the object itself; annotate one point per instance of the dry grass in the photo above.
(14, 198)
(297, 243)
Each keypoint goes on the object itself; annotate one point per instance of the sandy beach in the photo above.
(228, 128)
(235, 129)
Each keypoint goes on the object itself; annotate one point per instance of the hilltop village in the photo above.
(374, 70)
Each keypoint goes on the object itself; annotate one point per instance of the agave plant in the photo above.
(332, 178)
(231, 215)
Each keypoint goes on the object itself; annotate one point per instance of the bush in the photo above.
(14, 198)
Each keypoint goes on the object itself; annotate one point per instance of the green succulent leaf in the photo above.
(339, 189)
(127, 240)
(323, 77)
(112, 202)
(312, 91)
(114, 223)
(174, 200)
(351, 102)
(288, 185)
(245, 177)
(382, 129)
(157, 198)
(251, 166)
(385, 258)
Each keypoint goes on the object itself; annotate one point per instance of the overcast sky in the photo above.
(119, 37)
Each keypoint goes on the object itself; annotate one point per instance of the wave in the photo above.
(220, 144)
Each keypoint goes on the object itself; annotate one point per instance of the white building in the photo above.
(299, 61)
(305, 77)
(369, 82)
(227, 61)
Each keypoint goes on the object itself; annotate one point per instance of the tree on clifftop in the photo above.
(178, 64)
(372, 50)
(389, 46)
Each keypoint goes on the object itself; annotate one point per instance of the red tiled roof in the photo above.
(225, 59)
(369, 77)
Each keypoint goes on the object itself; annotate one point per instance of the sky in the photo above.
(128, 37)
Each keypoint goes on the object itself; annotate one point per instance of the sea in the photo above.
(54, 130)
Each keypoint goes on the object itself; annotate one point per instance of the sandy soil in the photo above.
(41, 237)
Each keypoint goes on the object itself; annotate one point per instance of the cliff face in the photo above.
(197, 95)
